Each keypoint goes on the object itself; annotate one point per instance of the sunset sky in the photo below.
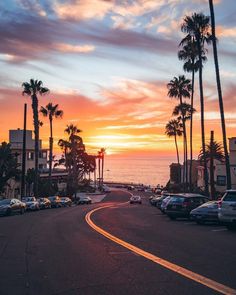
(107, 64)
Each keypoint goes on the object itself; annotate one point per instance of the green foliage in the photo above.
(8, 165)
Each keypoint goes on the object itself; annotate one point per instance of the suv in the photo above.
(227, 209)
(180, 205)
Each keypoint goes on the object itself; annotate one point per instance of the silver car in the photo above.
(227, 209)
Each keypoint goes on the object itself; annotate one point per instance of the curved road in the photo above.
(55, 251)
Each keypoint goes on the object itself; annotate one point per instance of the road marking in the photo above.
(171, 266)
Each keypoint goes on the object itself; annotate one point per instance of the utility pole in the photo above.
(23, 154)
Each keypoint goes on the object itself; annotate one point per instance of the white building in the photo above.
(220, 171)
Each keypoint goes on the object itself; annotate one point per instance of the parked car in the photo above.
(130, 187)
(84, 200)
(205, 213)
(106, 189)
(164, 204)
(10, 206)
(55, 201)
(31, 203)
(153, 201)
(66, 201)
(227, 209)
(135, 199)
(160, 200)
(44, 203)
(180, 205)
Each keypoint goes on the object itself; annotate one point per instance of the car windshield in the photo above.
(5, 202)
(230, 197)
(29, 199)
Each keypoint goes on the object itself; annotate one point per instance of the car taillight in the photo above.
(219, 204)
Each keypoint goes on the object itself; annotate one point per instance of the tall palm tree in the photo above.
(220, 97)
(214, 151)
(184, 112)
(51, 111)
(173, 128)
(197, 29)
(180, 88)
(32, 89)
(189, 54)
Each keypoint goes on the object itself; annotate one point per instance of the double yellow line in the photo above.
(171, 266)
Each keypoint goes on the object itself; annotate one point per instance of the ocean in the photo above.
(148, 170)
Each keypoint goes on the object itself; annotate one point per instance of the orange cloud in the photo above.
(69, 48)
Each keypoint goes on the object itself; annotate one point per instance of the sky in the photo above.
(107, 64)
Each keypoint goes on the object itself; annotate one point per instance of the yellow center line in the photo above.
(171, 266)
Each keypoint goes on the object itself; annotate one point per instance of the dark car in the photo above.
(207, 212)
(180, 205)
(44, 203)
(66, 202)
(10, 206)
(55, 201)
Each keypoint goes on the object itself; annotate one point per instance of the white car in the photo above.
(227, 209)
(135, 200)
(31, 203)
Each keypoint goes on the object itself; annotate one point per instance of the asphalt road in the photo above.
(55, 252)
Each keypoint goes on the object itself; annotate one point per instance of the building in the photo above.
(220, 171)
(16, 141)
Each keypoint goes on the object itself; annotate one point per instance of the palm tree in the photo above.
(221, 104)
(184, 112)
(51, 111)
(180, 87)
(189, 54)
(197, 29)
(173, 128)
(32, 89)
(214, 151)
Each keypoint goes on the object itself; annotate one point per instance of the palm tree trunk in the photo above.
(102, 167)
(36, 141)
(50, 152)
(212, 180)
(191, 134)
(99, 171)
(184, 146)
(202, 119)
(221, 104)
(177, 150)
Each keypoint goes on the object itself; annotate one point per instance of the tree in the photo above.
(180, 87)
(8, 165)
(184, 112)
(32, 89)
(173, 129)
(189, 54)
(72, 158)
(214, 151)
(220, 96)
(51, 111)
(197, 29)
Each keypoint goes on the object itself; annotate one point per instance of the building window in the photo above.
(221, 180)
(30, 156)
(43, 155)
